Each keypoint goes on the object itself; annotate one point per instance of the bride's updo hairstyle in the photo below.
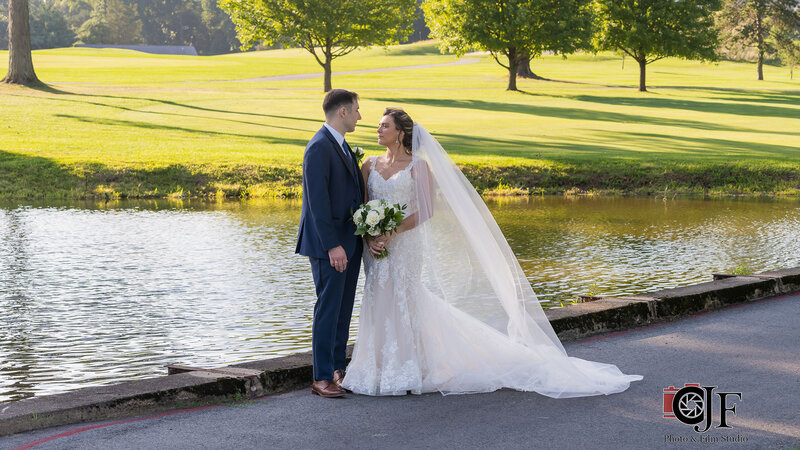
(402, 122)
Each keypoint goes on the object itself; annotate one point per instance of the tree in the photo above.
(76, 12)
(20, 60)
(756, 23)
(123, 23)
(650, 30)
(524, 68)
(94, 31)
(787, 42)
(200, 23)
(421, 30)
(171, 22)
(517, 29)
(112, 22)
(3, 26)
(49, 27)
(326, 29)
(220, 35)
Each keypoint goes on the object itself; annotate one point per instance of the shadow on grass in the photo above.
(50, 89)
(153, 126)
(786, 98)
(456, 144)
(741, 107)
(44, 87)
(708, 148)
(600, 147)
(576, 113)
(33, 177)
(191, 116)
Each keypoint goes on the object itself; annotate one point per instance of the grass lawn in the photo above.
(128, 124)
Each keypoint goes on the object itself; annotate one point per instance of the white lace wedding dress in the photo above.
(411, 340)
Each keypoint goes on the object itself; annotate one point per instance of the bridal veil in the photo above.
(467, 262)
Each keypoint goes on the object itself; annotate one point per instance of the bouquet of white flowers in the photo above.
(377, 217)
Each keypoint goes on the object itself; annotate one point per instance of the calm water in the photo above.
(96, 293)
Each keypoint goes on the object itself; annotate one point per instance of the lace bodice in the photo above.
(399, 188)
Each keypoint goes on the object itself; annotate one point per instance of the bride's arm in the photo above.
(365, 176)
(372, 244)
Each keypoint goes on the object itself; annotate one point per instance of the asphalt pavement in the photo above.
(749, 354)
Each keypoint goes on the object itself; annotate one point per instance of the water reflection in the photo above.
(96, 293)
(618, 246)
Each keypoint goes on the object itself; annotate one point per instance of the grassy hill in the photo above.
(123, 123)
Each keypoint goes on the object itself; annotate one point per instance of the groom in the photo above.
(332, 189)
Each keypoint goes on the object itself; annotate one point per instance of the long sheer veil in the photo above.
(467, 261)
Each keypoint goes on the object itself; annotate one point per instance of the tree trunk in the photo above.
(524, 67)
(327, 68)
(761, 48)
(642, 75)
(513, 62)
(20, 62)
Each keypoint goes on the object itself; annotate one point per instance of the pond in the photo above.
(96, 293)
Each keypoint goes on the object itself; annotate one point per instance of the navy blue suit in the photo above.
(332, 190)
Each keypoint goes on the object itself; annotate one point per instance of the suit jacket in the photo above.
(333, 189)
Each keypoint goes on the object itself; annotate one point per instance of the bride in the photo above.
(449, 309)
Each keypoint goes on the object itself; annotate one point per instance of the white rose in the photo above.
(373, 217)
(357, 218)
(374, 204)
(381, 213)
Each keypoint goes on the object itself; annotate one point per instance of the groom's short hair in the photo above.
(336, 98)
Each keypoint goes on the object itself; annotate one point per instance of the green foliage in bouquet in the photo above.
(378, 217)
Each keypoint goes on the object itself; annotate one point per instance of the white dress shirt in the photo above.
(339, 139)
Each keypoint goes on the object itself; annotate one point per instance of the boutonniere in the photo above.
(359, 152)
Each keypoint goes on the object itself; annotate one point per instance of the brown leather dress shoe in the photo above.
(338, 377)
(326, 388)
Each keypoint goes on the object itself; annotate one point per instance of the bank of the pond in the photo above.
(39, 178)
(122, 124)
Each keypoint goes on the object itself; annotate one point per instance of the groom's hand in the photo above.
(338, 258)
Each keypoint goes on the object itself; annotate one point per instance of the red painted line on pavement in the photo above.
(103, 425)
(661, 324)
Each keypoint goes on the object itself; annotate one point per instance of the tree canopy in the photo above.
(649, 30)
(326, 29)
(62, 23)
(760, 24)
(516, 29)
(787, 42)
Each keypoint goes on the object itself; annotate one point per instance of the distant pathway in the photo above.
(305, 76)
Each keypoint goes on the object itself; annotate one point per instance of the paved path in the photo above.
(305, 76)
(752, 349)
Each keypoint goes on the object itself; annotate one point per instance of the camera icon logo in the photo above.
(687, 404)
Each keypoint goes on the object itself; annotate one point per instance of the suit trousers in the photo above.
(331, 329)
